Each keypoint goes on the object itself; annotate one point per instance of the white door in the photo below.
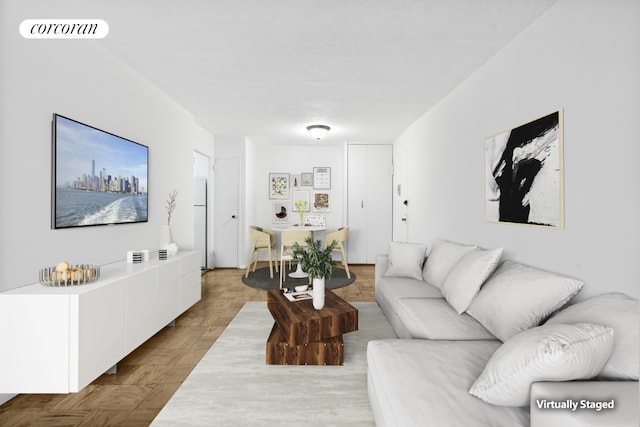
(380, 207)
(227, 177)
(370, 181)
(356, 194)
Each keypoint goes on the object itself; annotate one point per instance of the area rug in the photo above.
(260, 279)
(232, 385)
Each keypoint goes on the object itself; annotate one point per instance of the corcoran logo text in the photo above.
(64, 28)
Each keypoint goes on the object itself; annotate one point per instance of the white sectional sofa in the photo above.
(484, 341)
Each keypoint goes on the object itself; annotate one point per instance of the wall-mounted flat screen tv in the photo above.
(98, 178)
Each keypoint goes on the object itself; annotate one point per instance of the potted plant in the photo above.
(318, 264)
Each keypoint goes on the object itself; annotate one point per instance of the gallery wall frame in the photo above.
(321, 201)
(524, 174)
(278, 185)
(306, 179)
(321, 178)
(304, 196)
(281, 212)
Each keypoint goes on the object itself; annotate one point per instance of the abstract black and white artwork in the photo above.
(523, 174)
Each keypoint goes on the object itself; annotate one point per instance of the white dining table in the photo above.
(286, 227)
(299, 273)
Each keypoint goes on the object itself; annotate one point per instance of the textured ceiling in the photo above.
(267, 69)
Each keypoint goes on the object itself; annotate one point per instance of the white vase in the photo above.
(318, 293)
(165, 235)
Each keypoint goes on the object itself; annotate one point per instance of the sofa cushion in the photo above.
(518, 297)
(619, 312)
(405, 260)
(394, 288)
(435, 319)
(441, 259)
(389, 290)
(425, 382)
(543, 353)
(465, 278)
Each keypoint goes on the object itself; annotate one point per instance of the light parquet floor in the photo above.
(148, 377)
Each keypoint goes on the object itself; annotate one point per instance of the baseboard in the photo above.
(6, 397)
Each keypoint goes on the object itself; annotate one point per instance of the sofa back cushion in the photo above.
(442, 258)
(518, 297)
(619, 312)
(405, 260)
(465, 279)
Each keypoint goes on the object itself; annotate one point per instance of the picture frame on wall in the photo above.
(278, 185)
(321, 201)
(322, 178)
(296, 180)
(281, 212)
(307, 179)
(304, 196)
(524, 174)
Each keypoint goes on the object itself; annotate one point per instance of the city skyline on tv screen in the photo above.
(100, 178)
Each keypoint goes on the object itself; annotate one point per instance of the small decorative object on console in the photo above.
(64, 274)
(171, 249)
(136, 257)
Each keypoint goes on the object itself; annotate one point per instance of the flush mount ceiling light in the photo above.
(318, 131)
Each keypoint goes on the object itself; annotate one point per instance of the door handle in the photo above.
(233, 216)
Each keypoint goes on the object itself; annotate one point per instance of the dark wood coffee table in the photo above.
(302, 335)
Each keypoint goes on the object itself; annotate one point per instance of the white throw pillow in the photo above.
(619, 312)
(544, 353)
(465, 279)
(443, 256)
(518, 297)
(405, 260)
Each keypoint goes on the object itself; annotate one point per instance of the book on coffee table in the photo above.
(298, 296)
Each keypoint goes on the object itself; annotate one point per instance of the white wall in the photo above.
(262, 159)
(81, 80)
(583, 57)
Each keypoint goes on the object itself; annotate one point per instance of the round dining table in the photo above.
(299, 274)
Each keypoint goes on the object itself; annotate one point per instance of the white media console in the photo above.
(60, 339)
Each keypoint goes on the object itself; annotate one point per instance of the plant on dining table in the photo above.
(301, 207)
(315, 261)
